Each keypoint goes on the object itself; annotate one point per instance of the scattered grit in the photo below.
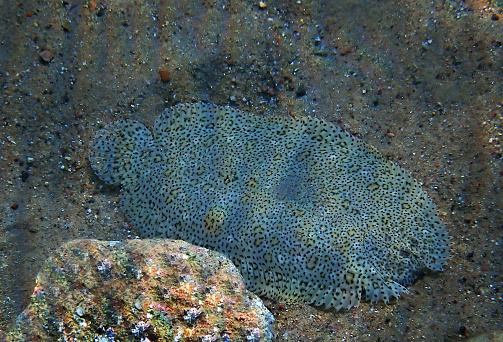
(307, 212)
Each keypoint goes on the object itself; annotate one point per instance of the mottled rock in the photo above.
(140, 290)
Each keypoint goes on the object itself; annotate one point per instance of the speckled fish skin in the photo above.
(307, 212)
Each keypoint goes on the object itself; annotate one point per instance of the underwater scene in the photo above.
(251, 170)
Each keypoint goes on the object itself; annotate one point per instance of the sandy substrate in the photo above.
(419, 80)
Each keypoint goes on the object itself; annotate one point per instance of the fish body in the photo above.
(307, 212)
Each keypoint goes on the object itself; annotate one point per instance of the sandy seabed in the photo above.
(420, 81)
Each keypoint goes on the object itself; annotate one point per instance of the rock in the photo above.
(164, 74)
(148, 290)
(46, 56)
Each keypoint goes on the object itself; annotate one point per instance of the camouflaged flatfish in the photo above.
(307, 212)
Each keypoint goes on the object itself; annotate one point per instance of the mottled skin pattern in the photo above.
(306, 211)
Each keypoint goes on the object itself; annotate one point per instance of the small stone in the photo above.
(301, 91)
(101, 10)
(321, 52)
(164, 75)
(46, 56)
(24, 176)
(462, 330)
(262, 4)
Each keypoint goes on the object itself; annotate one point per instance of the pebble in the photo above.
(46, 56)
(164, 75)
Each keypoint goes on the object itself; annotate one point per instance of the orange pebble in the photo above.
(164, 75)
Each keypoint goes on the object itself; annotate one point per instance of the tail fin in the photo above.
(117, 149)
